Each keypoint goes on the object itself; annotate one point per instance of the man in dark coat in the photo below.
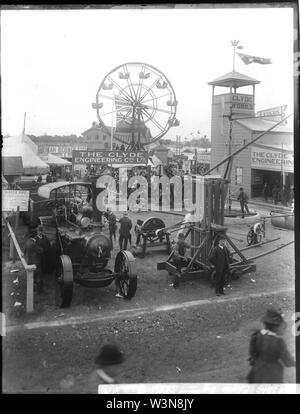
(126, 226)
(32, 255)
(243, 199)
(112, 224)
(47, 259)
(219, 258)
(268, 351)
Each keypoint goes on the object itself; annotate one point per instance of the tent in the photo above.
(51, 159)
(22, 146)
(156, 161)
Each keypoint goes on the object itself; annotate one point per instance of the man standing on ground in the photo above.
(126, 226)
(243, 199)
(220, 259)
(112, 224)
(32, 255)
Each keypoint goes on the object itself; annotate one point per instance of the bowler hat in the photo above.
(273, 317)
(109, 355)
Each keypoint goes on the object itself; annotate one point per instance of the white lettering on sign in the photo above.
(110, 157)
(12, 199)
(272, 160)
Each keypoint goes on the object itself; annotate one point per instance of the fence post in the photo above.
(29, 288)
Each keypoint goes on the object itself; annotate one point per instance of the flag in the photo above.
(247, 59)
(122, 108)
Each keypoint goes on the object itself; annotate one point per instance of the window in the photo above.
(104, 137)
(96, 137)
(239, 175)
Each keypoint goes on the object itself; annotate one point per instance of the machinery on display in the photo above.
(136, 105)
(82, 251)
(152, 237)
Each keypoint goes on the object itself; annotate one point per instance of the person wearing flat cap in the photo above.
(32, 254)
(268, 351)
(109, 367)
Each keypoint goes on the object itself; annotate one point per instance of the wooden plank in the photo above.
(217, 202)
(222, 203)
(29, 290)
(209, 204)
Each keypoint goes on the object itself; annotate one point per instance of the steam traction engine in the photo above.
(82, 250)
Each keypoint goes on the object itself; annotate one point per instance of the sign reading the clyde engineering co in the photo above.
(109, 157)
(270, 159)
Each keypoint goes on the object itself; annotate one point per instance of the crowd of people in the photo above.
(278, 194)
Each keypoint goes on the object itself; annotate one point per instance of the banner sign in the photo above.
(203, 158)
(272, 159)
(273, 114)
(241, 103)
(109, 157)
(12, 199)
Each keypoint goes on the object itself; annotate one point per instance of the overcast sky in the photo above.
(53, 61)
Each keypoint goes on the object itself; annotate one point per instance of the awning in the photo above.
(45, 190)
(51, 159)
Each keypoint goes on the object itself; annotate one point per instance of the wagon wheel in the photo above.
(126, 278)
(250, 238)
(64, 279)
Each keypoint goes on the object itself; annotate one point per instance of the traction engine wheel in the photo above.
(126, 279)
(64, 279)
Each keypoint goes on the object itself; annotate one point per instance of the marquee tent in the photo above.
(22, 146)
(51, 159)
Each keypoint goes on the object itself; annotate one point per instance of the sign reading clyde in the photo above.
(110, 157)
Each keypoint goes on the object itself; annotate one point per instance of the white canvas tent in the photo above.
(51, 159)
(22, 146)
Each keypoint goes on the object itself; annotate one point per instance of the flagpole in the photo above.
(24, 123)
(112, 125)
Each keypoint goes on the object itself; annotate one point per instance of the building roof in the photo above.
(160, 147)
(261, 125)
(12, 166)
(233, 79)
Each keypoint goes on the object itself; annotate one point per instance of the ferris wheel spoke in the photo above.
(120, 89)
(158, 97)
(129, 83)
(151, 87)
(115, 110)
(156, 123)
(158, 109)
(139, 90)
(112, 98)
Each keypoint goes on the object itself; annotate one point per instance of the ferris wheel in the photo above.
(136, 104)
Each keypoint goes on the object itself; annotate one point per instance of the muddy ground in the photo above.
(168, 335)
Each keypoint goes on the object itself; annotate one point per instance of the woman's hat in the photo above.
(273, 317)
(109, 355)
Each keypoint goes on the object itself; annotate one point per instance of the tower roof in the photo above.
(233, 79)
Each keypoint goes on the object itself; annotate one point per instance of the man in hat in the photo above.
(243, 199)
(32, 255)
(47, 262)
(108, 367)
(268, 351)
(219, 258)
(112, 224)
(125, 227)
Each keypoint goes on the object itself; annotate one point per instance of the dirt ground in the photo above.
(169, 335)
